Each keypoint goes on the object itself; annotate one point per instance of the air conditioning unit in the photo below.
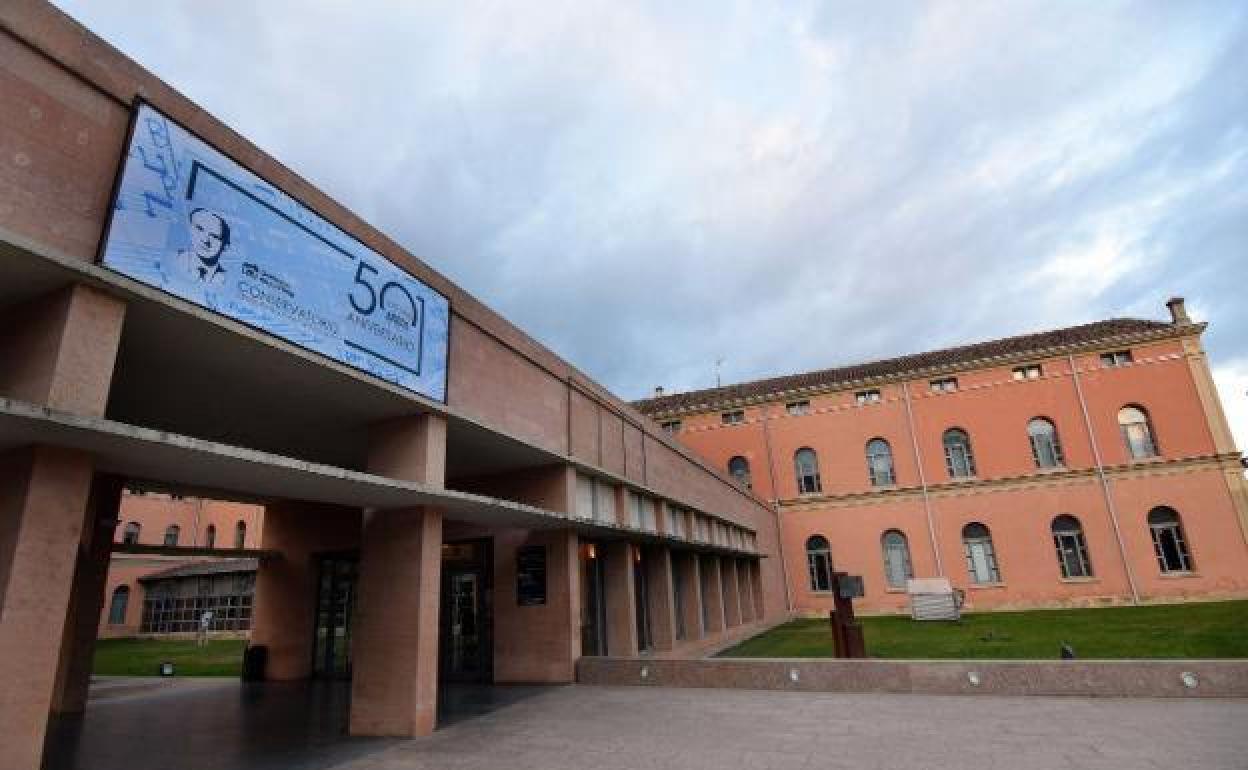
(933, 599)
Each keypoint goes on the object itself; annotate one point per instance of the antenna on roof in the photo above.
(718, 362)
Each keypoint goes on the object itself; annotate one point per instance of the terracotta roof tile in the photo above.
(823, 378)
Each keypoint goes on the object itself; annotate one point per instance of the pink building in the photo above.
(1084, 466)
(152, 527)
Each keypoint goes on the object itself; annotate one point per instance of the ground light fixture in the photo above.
(166, 668)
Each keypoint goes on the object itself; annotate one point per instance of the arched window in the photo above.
(880, 463)
(117, 607)
(958, 458)
(981, 557)
(240, 534)
(1137, 432)
(739, 467)
(1046, 450)
(819, 559)
(1072, 549)
(131, 534)
(1168, 541)
(897, 568)
(171, 534)
(210, 536)
(807, 471)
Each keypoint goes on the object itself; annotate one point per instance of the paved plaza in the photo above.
(222, 725)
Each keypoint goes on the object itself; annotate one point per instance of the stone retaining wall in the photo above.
(1116, 678)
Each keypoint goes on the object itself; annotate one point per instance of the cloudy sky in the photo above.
(648, 188)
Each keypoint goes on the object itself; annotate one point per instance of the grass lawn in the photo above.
(142, 657)
(1205, 630)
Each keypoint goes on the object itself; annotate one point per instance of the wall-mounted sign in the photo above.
(191, 221)
(531, 575)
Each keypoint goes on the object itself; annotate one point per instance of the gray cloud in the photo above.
(646, 189)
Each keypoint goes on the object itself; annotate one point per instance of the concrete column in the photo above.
(284, 612)
(86, 601)
(732, 592)
(59, 350)
(661, 603)
(621, 605)
(687, 574)
(43, 494)
(394, 654)
(623, 507)
(713, 594)
(745, 590)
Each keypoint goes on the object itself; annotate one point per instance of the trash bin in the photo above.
(255, 658)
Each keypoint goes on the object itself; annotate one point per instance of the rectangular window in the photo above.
(797, 408)
(735, 417)
(944, 385)
(641, 512)
(675, 521)
(1028, 372)
(671, 426)
(868, 396)
(584, 496)
(1116, 358)
(604, 502)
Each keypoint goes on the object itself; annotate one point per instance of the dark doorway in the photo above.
(641, 599)
(466, 638)
(334, 603)
(593, 603)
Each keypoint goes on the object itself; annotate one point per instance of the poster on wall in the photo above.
(531, 576)
(190, 221)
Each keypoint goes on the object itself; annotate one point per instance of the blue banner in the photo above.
(194, 223)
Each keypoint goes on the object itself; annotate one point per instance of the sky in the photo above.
(663, 191)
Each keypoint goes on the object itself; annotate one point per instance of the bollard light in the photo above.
(166, 668)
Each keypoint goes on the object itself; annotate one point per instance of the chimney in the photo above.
(658, 391)
(1178, 311)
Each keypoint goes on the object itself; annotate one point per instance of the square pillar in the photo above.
(686, 572)
(86, 600)
(746, 591)
(623, 507)
(43, 495)
(732, 592)
(59, 350)
(284, 607)
(712, 596)
(394, 653)
(621, 602)
(661, 603)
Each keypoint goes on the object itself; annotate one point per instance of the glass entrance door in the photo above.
(334, 603)
(467, 651)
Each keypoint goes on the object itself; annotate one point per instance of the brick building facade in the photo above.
(161, 519)
(1084, 466)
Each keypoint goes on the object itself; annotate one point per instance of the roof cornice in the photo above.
(1114, 340)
